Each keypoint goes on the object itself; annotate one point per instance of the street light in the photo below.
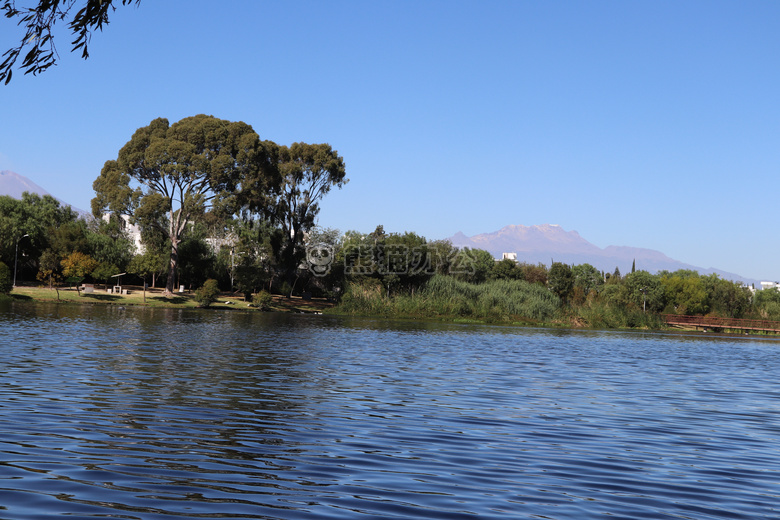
(16, 255)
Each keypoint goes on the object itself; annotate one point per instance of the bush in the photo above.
(444, 296)
(262, 300)
(207, 294)
(5, 279)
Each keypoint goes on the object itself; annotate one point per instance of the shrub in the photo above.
(262, 300)
(5, 279)
(207, 294)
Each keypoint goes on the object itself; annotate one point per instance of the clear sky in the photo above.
(646, 123)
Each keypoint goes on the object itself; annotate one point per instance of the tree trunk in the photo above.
(175, 230)
(169, 286)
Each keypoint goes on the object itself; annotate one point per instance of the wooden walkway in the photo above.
(708, 322)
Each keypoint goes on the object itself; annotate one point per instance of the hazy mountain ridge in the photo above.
(546, 243)
(13, 184)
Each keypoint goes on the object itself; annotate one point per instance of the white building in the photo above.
(132, 231)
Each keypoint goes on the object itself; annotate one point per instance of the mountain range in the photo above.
(13, 184)
(533, 244)
(549, 243)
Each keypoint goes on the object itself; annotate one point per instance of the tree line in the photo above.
(210, 198)
(400, 265)
(212, 201)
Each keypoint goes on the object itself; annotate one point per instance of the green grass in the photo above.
(155, 298)
(443, 297)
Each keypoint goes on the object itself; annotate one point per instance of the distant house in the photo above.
(509, 256)
(770, 285)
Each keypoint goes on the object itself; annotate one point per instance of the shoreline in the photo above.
(154, 299)
(296, 304)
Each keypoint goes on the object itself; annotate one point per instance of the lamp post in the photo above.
(16, 255)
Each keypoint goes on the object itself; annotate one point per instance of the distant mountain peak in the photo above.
(13, 184)
(546, 242)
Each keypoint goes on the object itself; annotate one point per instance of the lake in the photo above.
(160, 413)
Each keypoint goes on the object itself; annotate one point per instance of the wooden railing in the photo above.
(721, 323)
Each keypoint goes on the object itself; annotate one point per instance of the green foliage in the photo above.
(196, 262)
(766, 304)
(149, 264)
(506, 269)
(560, 280)
(602, 315)
(208, 293)
(685, 293)
(107, 243)
(587, 278)
(104, 271)
(534, 273)
(262, 300)
(49, 268)
(6, 284)
(183, 171)
(441, 254)
(446, 297)
(472, 265)
(644, 291)
(727, 298)
(38, 218)
(39, 23)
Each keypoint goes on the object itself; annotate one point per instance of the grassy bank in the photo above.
(155, 298)
(501, 301)
(444, 298)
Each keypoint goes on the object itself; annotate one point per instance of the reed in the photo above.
(613, 316)
(444, 297)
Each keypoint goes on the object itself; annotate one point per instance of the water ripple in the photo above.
(159, 414)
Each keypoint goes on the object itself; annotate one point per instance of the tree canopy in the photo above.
(38, 23)
(177, 173)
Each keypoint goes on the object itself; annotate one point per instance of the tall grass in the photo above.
(614, 316)
(445, 297)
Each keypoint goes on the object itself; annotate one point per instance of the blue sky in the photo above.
(647, 123)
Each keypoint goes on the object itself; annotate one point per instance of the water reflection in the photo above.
(160, 413)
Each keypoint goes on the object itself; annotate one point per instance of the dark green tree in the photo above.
(402, 262)
(643, 290)
(104, 272)
(149, 264)
(442, 254)
(727, 298)
(208, 293)
(5, 279)
(506, 269)
(185, 169)
(30, 223)
(534, 273)
(308, 173)
(560, 280)
(587, 277)
(472, 265)
(685, 292)
(39, 22)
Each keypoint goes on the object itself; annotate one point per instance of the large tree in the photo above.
(308, 173)
(40, 20)
(186, 169)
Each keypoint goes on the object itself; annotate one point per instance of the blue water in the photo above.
(162, 414)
